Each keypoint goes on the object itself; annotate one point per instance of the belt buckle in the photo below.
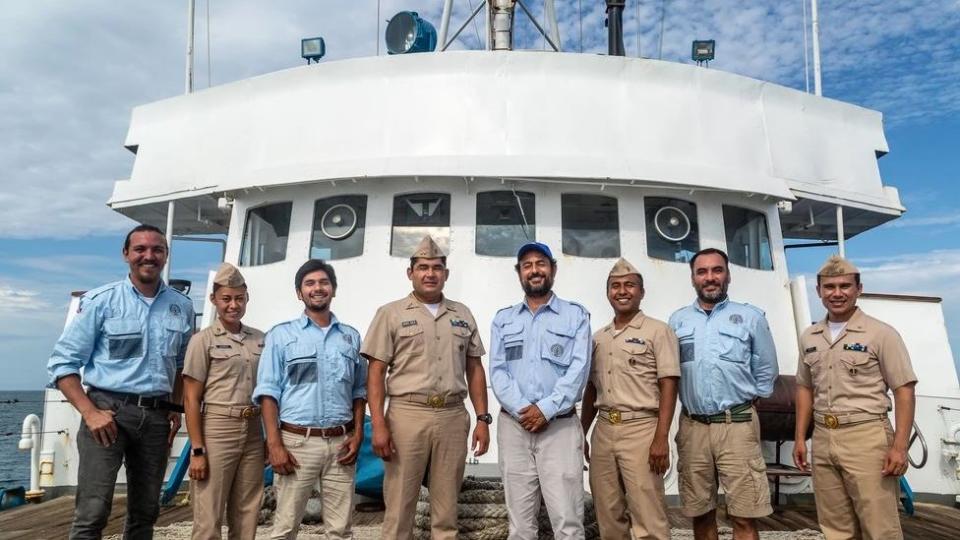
(247, 412)
(614, 416)
(436, 401)
(146, 403)
(831, 421)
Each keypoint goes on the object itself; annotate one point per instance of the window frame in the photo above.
(393, 199)
(476, 220)
(650, 228)
(619, 228)
(314, 228)
(246, 222)
(766, 224)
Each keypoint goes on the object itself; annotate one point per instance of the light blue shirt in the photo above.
(124, 343)
(726, 358)
(312, 373)
(540, 358)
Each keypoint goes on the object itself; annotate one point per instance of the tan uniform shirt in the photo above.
(853, 373)
(226, 365)
(425, 354)
(627, 363)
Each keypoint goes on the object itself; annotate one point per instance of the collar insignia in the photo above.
(858, 347)
(405, 324)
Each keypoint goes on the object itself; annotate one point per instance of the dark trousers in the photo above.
(142, 447)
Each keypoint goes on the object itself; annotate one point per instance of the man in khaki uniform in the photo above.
(848, 361)
(220, 371)
(633, 386)
(429, 349)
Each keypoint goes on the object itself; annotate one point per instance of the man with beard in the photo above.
(428, 348)
(538, 367)
(129, 338)
(310, 386)
(633, 385)
(727, 361)
(848, 363)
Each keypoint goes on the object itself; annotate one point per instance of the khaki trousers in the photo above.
(854, 500)
(317, 457)
(432, 442)
(627, 495)
(549, 463)
(234, 484)
(730, 454)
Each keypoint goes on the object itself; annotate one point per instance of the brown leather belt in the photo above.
(835, 421)
(326, 433)
(435, 401)
(615, 416)
(232, 411)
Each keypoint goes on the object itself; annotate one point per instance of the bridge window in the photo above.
(505, 221)
(338, 225)
(591, 225)
(748, 239)
(265, 234)
(672, 232)
(416, 215)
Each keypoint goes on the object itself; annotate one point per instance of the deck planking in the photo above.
(52, 519)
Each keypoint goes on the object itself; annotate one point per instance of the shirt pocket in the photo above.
(639, 357)
(814, 362)
(461, 341)
(124, 338)
(224, 363)
(734, 343)
(410, 341)
(345, 365)
(556, 347)
(301, 364)
(860, 366)
(175, 331)
(512, 341)
(688, 351)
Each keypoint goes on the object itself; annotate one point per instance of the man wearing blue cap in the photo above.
(539, 362)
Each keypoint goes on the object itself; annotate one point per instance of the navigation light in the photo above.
(408, 33)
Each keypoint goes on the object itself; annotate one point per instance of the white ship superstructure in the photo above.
(598, 156)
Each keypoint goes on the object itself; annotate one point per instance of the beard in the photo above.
(537, 291)
(713, 297)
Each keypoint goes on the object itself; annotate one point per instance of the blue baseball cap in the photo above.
(534, 246)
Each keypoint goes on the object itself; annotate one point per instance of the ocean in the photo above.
(14, 463)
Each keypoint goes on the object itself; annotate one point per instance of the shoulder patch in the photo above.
(736, 318)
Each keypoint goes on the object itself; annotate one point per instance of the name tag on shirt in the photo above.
(809, 350)
(405, 324)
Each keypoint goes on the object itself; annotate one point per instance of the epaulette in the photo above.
(180, 293)
(754, 308)
(582, 308)
(348, 327)
(93, 293)
(502, 310)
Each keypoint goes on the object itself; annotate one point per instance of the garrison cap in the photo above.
(427, 249)
(229, 276)
(623, 268)
(837, 266)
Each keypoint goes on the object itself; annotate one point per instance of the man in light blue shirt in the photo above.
(539, 363)
(128, 339)
(727, 361)
(311, 388)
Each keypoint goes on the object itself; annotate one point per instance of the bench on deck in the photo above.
(777, 415)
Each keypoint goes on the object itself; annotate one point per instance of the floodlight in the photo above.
(408, 33)
(312, 49)
(703, 50)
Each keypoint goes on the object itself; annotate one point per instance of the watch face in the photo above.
(485, 418)
(199, 451)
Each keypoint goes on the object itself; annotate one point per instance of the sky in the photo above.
(74, 70)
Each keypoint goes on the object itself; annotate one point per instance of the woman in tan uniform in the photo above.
(220, 372)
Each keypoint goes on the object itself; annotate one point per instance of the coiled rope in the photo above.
(482, 514)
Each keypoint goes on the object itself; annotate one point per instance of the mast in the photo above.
(187, 89)
(815, 23)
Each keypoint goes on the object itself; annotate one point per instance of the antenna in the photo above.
(817, 86)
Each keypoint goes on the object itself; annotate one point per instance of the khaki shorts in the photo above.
(729, 453)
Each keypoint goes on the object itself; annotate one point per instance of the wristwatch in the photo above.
(199, 451)
(488, 418)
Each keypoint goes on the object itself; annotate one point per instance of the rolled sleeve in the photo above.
(196, 361)
(569, 387)
(763, 361)
(666, 349)
(270, 373)
(378, 344)
(505, 388)
(803, 373)
(76, 345)
(360, 381)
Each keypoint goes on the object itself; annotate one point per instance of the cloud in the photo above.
(946, 220)
(16, 300)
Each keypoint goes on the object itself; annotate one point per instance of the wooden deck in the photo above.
(52, 520)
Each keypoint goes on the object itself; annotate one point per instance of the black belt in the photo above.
(736, 414)
(567, 414)
(144, 402)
